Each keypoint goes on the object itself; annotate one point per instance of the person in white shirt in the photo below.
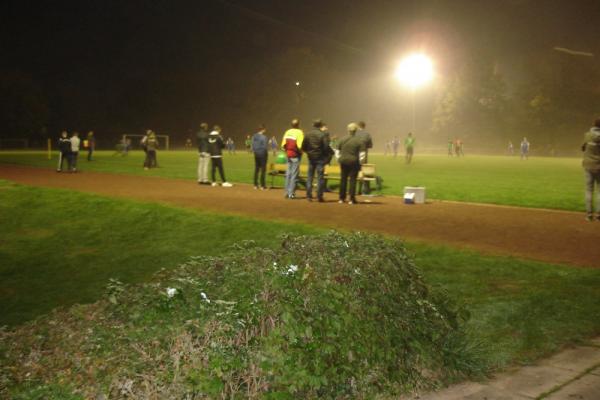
(75, 142)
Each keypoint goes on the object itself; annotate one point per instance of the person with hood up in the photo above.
(215, 148)
(591, 167)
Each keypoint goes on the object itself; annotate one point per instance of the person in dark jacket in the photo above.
(351, 151)
(260, 148)
(366, 138)
(91, 144)
(150, 144)
(591, 167)
(316, 146)
(215, 148)
(203, 154)
(64, 150)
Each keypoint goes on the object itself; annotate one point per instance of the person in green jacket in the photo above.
(409, 144)
(591, 167)
(351, 150)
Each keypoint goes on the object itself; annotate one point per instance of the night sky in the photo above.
(124, 66)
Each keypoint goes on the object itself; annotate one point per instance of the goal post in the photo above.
(162, 139)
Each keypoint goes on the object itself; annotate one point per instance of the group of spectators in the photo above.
(350, 152)
(68, 149)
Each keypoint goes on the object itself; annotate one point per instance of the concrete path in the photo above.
(573, 374)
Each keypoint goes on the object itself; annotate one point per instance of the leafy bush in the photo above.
(329, 316)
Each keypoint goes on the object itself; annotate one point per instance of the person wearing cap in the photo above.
(292, 145)
(591, 167)
(351, 151)
(316, 145)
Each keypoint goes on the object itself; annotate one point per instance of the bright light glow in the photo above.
(415, 71)
(297, 83)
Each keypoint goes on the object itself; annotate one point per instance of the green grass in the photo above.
(60, 248)
(521, 310)
(555, 183)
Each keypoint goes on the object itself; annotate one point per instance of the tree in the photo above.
(472, 104)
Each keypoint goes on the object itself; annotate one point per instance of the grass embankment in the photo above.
(60, 248)
(317, 318)
(555, 183)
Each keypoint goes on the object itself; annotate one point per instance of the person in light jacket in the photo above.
(591, 168)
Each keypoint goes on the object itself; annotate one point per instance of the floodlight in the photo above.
(415, 71)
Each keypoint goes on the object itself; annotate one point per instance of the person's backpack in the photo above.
(291, 147)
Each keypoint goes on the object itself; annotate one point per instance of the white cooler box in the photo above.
(414, 194)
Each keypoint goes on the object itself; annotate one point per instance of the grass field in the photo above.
(555, 183)
(60, 248)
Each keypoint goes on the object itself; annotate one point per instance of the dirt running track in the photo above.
(545, 235)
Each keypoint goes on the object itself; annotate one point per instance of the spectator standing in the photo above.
(273, 144)
(395, 145)
(215, 148)
(292, 144)
(524, 149)
(91, 144)
(330, 154)
(64, 150)
(351, 150)
(203, 154)
(248, 143)
(366, 138)
(230, 146)
(143, 141)
(409, 145)
(260, 148)
(591, 167)
(74, 154)
(150, 144)
(316, 147)
(458, 147)
(511, 148)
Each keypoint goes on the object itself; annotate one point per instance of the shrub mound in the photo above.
(329, 316)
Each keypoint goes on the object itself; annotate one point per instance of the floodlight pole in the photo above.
(414, 110)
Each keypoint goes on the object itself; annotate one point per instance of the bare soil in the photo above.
(544, 235)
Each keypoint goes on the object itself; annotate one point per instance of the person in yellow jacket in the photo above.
(292, 145)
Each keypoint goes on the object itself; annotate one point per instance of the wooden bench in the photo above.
(332, 172)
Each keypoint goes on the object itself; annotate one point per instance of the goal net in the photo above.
(136, 141)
